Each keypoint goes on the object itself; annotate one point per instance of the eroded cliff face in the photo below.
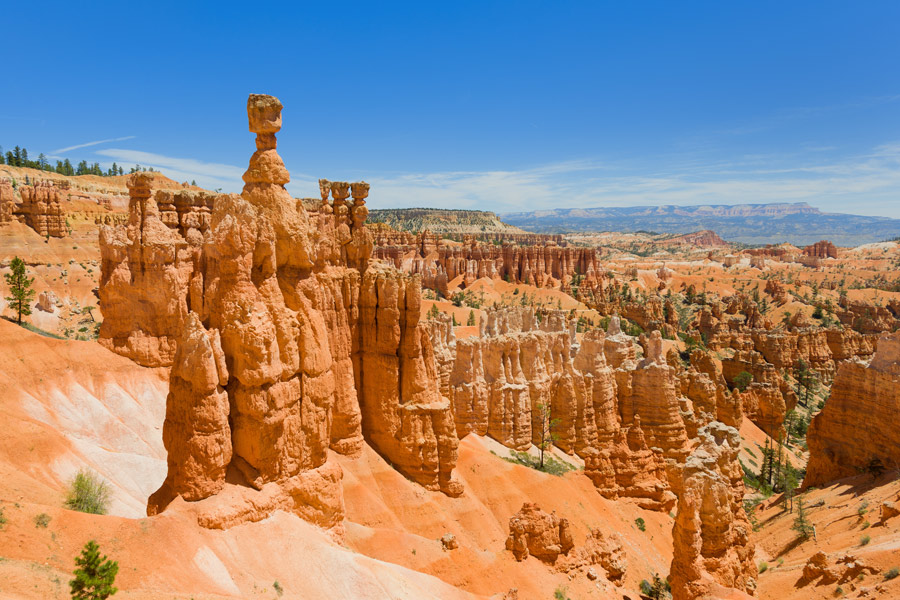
(859, 427)
(283, 342)
(535, 261)
(525, 367)
(711, 535)
(39, 207)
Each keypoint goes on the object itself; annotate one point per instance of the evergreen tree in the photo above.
(789, 483)
(801, 522)
(17, 157)
(10, 159)
(2, 160)
(94, 574)
(546, 427)
(42, 161)
(433, 312)
(67, 168)
(21, 292)
(471, 321)
(23, 162)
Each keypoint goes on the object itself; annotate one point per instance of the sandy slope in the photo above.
(67, 405)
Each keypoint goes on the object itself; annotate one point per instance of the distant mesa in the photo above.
(797, 223)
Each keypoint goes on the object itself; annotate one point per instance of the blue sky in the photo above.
(501, 106)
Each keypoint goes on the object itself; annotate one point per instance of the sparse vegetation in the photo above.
(42, 520)
(641, 524)
(892, 574)
(551, 465)
(864, 540)
(278, 589)
(561, 593)
(763, 567)
(88, 493)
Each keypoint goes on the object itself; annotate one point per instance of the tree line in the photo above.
(18, 157)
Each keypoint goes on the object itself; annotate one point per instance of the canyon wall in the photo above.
(538, 264)
(858, 430)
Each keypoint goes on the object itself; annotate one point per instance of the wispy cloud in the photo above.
(867, 183)
(210, 175)
(207, 174)
(864, 184)
(88, 144)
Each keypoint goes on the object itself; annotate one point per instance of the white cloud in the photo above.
(864, 184)
(867, 184)
(86, 144)
(209, 175)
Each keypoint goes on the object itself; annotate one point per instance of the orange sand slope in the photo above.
(67, 405)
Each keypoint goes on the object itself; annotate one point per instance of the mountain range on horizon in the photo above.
(773, 223)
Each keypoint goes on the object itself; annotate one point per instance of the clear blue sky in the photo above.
(504, 106)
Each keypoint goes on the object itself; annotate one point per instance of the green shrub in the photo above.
(641, 524)
(892, 574)
(763, 566)
(278, 589)
(3, 519)
(561, 593)
(864, 540)
(742, 380)
(42, 520)
(88, 493)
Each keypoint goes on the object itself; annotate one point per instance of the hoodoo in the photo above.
(284, 342)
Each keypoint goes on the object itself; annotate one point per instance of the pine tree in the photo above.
(2, 160)
(546, 427)
(20, 289)
(23, 162)
(67, 168)
(94, 575)
(471, 321)
(433, 312)
(801, 522)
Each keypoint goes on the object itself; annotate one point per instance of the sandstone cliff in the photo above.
(859, 428)
(39, 207)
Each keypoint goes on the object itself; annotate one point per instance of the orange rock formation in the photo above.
(711, 536)
(39, 207)
(284, 342)
(859, 428)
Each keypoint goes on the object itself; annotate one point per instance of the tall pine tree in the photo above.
(21, 292)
